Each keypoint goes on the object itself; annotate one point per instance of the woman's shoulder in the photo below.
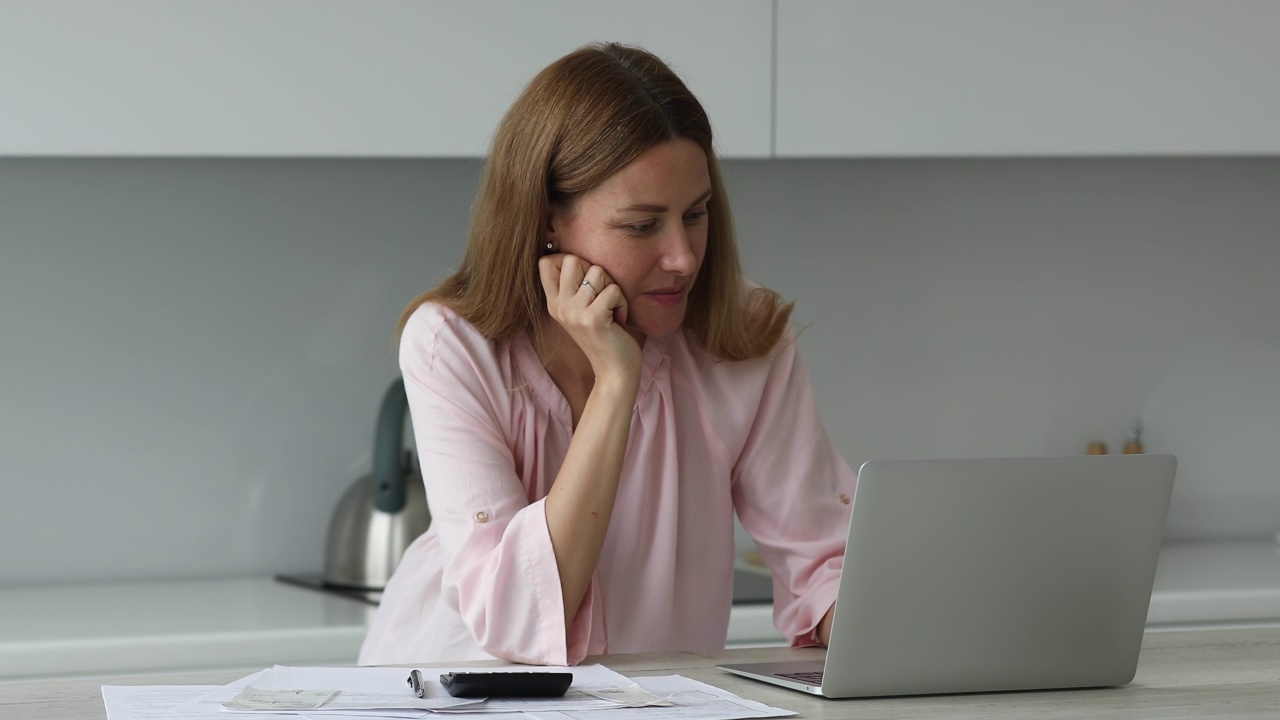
(432, 319)
(450, 364)
(434, 332)
(701, 366)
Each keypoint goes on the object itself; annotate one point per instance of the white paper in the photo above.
(148, 702)
(362, 688)
(384, 692)
(361, 714)
(366, 688)
(690, 700)
(254, 698)
(632, 696)
(211, 701)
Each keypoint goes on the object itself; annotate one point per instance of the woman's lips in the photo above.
(669, 297)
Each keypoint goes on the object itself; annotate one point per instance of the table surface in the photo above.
(1191, 674)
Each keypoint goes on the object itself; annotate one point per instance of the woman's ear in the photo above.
(550, 233)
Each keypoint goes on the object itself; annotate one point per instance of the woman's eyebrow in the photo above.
(642, 207)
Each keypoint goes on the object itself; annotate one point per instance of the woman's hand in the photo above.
(593, 313)
(824, 627)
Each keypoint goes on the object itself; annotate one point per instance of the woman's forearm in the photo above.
(580, 503)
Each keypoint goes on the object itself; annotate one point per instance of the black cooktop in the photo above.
(748, 587)
(315, 581)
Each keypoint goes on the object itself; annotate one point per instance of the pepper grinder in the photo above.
(1133, 444)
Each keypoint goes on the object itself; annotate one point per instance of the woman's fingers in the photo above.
(579, 279)
(593, 282)
(549, 270)
(571, 273)
(572, 284)
(591, 285)
(613, 299)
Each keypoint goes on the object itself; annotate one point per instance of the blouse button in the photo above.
(482, 517)
(844, 498)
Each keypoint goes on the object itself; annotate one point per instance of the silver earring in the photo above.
(550, 246)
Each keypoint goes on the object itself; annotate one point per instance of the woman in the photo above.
(596, 391)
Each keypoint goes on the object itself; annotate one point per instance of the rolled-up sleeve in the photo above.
(500, 573)
(792, 492)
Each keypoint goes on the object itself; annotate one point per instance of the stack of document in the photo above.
(367, 693)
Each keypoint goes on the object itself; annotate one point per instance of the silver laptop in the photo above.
(990, 575)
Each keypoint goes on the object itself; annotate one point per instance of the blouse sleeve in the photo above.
(792, 492)
(500, 572)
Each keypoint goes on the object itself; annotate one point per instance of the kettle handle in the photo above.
(388, 445)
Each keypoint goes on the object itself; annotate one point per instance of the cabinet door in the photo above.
(396, 78)
(1027, 77)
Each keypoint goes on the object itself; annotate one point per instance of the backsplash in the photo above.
(194, 350)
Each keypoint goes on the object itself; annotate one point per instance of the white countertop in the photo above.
(1203, 675)
(1216, 583)
(257, 622)
(172, 625)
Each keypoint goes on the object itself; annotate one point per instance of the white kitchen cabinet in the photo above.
(339, 78)
(872, 78)
(851, 78)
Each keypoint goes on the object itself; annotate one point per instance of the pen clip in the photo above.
(415, 682)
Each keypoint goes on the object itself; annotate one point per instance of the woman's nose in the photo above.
(677, 256)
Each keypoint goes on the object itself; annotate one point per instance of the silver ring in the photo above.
(593, 289)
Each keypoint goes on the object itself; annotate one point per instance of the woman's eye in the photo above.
(695, 216)
(640, 228)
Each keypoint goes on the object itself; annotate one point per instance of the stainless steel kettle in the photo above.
(381, 513)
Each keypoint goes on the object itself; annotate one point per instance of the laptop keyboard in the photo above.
(813, 678)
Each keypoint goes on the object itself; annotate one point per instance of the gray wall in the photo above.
(192, 351)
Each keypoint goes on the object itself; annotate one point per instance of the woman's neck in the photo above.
(565, 361)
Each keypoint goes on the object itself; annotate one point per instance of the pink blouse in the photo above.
(706, 438)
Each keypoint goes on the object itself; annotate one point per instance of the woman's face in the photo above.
(647, 227)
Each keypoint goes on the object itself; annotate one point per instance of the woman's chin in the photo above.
(649, 327)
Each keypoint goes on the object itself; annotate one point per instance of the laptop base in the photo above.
(781, 674)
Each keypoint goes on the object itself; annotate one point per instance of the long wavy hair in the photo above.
(579, 121)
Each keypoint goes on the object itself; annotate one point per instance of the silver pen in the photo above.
(415, 682)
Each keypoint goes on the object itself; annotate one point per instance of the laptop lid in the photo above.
(997, 574)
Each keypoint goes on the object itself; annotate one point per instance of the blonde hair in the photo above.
(579, 121)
